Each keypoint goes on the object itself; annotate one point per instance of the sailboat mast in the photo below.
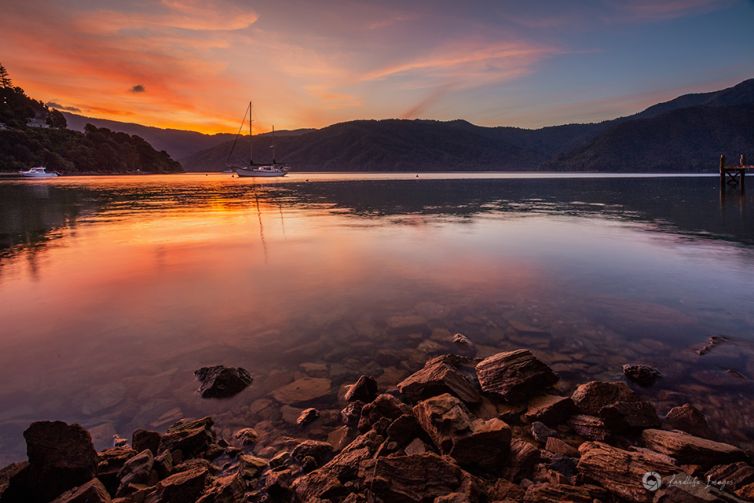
(251, 142)
(274, 161)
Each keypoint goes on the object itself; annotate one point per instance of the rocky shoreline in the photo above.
(458, 429)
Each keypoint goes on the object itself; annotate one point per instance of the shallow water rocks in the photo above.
(620, 471)
(364, 390)
(137, 470)
(304, 390)
(416, 478)
(61, 457)
(145, 439)
(688, 449)
(192, 437)
(384, 406)
(616, 405)
(557, 493)
(549, 409)
(321, 452)
(91, 492)
(514, 375)
(222, 382)
(643, 375)
(710, 344)
(441, 374)
(246, 436)
(473, 443)
(687, 418)
(307, 416)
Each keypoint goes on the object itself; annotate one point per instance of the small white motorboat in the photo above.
(37, 172)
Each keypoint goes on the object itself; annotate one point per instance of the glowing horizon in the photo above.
(188, 64)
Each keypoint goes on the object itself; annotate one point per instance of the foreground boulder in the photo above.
(557, 493)
(91, 492)
(473, 443)
(514, 375)
(61, 457)
(191, 437)
(440, 375)
(687, 418)
(549, 409)
(620, 471)
(417, 478)
(222, 382)
(688, 449)
(616, 405)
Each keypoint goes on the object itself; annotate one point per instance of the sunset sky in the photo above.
(193, 64)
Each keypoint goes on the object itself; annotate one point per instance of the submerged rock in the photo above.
(514, 375)
(300, 391)
(222, 382)
(643, 375)
(713, 341)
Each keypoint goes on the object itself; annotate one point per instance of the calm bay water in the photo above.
(113, 290)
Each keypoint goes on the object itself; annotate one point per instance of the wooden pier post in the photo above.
(722, 171)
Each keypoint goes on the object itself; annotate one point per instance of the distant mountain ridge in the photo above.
(683, 134)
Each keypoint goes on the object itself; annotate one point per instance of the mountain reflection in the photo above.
(32, 215)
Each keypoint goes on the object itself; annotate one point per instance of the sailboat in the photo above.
(253, 169)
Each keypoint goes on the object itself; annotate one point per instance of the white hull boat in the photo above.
(254, 170)
(38, 172)
(262, 171)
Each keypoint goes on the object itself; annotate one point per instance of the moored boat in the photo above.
(253, 169)
(37, 172)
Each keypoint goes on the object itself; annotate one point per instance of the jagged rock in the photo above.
(61, 457)
(335, 479)
(192, 437)
(145, 439)
(339, 437)
(351, 413)
(227, 489)
(620, 471)
(473, 443)
(688, 449)
(505, 491)
(616, 405)
(514, 375)
(280, 459)
(461, 340)
(589, 427)
(549, 409)
(589, 398)
(541, 432)
(302, 391)
(557, 493)
(180, 487)
(416, 446)
(252, 466)
(521, 461)
(622, 416)
(222, 382)
(137, 470)
(440, 375)
(384, 406)
(307, 416)
(416, 478)
(557, 446)
(746, 492)
(91, 492)
(687, 418)
(643, 375)
(246, 436)
(733, 475)
(364, 390)
(403, 429)
(321, 452)
(109, 463)
(13, 479)
(163, 464)
(278, 485)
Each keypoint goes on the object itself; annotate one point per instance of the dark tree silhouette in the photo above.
(5, 81)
